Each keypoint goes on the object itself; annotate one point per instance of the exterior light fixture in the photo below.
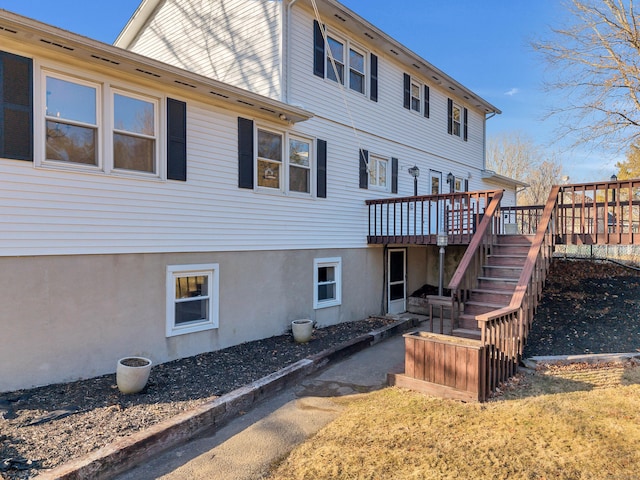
(442, 240)
(415, 173)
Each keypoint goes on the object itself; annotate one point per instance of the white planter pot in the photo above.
(132, 374)
(302, 330)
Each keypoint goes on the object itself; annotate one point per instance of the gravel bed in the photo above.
(47, 426)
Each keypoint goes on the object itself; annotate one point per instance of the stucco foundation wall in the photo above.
(71, 317)
(423, 265)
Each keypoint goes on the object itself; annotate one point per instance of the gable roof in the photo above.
(35, 36)
(357, 26)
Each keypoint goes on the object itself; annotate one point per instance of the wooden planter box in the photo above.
(443, 366)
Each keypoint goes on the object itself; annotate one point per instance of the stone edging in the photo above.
(124, 453)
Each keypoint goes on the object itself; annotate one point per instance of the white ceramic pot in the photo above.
(302, 330)
(132, 374)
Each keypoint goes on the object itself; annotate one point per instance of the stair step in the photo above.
(491, 296)
(467, 333)
(515, 239)
(507, 260)
(495, 306)
(514, 281)
(503, 271)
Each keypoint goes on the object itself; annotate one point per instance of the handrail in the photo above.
(476, 242)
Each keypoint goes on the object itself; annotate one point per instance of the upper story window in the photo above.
(356, 71)
(272, 148)
(344, 62)
(336, 49)
(457, 120)
(71, 115)
(416, 95)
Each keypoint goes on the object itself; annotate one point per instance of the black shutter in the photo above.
(466, 185)
(450, 116)
(176, 140)
(321, 161)
(374, 78)
(318, 50)
(426, 101)
(464, 116)
(394, 175)
(407, 91)
(364, 174)
(245, 153)
(16, 107)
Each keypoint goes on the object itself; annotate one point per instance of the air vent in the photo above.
(7, 29)
(105, 59)
(185, 84)
(340, 18)
(369, 35)
(54, 44)
(416, 65)
(435, 78)
(147, 73)
(219, 94)
(466, 97)
(245, 103)
(394, 52)
(451, 88)
(267, 110)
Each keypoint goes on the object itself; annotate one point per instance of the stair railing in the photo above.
(505, 331)
(465, 278)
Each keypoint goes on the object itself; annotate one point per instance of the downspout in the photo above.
(287, 62)
(484, 140)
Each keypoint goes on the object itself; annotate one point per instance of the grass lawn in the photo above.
(572, 422)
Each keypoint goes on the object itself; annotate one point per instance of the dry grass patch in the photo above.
(561, 423)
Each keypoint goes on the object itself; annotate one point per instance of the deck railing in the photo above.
(419, 219)
(521, 219)
(599, 213)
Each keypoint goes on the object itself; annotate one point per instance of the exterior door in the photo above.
(435, 210)
(397, 281)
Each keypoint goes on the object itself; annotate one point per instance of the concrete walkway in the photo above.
(247, 446)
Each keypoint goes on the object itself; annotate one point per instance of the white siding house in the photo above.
(201, 183)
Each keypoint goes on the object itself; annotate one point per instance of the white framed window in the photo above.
(336, 48)
(456, 117)
(327, 282)
(192, 298)
(347, 57)
(416, 96)
(299, 165)
(357, 73)
(284, 162)
(135, 132)
(72, 115)
(98, 127)
(379, 172)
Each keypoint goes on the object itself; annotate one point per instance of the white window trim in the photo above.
(336, 263)
(374, 159)
(105, 120)
(460, 122)
(347, 46)
(420, 85)
(41, 123)
(284, 167)
(212, 271)
(156, 128)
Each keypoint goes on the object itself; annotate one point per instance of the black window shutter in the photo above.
(245, 153)
(466, 185)
(426, 101)
(176, 140)
(364, 174)
(394, 175)
(450, 116)
(465, 115)
(374, 78)
(16, 107)
(318, 50)
(321, 162)
(407, 91)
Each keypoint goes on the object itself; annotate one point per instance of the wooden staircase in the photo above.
(496, 283)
